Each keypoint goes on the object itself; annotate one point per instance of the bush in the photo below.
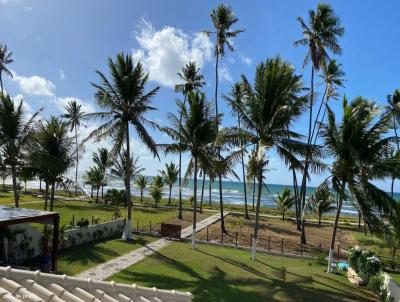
(365, 263)
(376, 285)
(354, 255)
(96, 220)
(321, 259)
(116, 197)
(83, 223)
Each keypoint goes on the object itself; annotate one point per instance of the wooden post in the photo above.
(222, 237)
(137, 225)
(269, 243)
(320, 247)
(92, 220)
(207, 234)
(338, 252)
(282, 246)
(56, 232)
(73, 219)
(150, 226)
(236, 240)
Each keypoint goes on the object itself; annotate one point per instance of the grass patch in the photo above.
(224, 274)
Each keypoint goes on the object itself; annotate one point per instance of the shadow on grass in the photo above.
(218, 284)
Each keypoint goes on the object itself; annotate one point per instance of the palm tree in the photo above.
(284, 201)
(5, 59)
(322, 201)
(192, 80)
(51, 154)
(170, 176)
(120, 168)
(393, 108)
(102, 161)
(320, 35)
(95, 177)
(141, 183)
(271, 106)
(359, 147)
(26, 174)
(196, 134)
(223, 18)
(75, 116)
(125, 102)
(235, 99)
(156, 188)
(15, 132)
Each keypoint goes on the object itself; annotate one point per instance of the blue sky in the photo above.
(58, 45)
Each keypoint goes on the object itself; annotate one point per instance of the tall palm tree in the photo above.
(192, 79)
(235, 99)
(223, 18)
(284, 201)
(120, 167)
(359, 146)
(5, 59)
(51, 154)
(141, 183)
(274, 102)
(320, 35)
(170, 176)
(102, 161)
(393, 108)
(15, 131)
(75, 115)
(196, 134)
(322, 201)
(125, 102)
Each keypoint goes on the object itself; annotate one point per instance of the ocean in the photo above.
(233, 192)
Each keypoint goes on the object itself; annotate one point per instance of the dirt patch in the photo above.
(277, 235)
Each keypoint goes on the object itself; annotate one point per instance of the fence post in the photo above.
(73, 219)
(269, 243)
(236, 240)
(150, 226)
(338, 252)
(207, 234)
(282, 245)
(92, 220)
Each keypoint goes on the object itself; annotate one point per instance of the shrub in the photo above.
(321, 259)
(82, 223)
(376, 285)
(354, 255)
(116, 197)
(96, 220)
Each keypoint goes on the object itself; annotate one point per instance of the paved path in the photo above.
(118, 264)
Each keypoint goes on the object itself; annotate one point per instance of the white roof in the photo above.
(23, 285)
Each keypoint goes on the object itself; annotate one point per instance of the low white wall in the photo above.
(29, 243)
(392, 287)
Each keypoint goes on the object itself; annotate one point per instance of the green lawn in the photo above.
(224, 274)
(78, 259)
(8, 198)
(83, 209)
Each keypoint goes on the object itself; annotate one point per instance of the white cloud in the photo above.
(164, 52)
(63, 102)
(245, 60)
(224, 74)
(62, 74)
(34, 85)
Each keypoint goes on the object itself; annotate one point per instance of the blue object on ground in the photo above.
(343, 266)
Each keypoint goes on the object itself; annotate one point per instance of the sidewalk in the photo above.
(107, 269)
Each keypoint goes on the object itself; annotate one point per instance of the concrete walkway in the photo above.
(107, 269)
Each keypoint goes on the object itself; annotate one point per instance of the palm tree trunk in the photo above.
(202, 192)
(102, 191)
(319, 218)
(332, 246)
(254, 191)
(221, 202)
(308, 156)
(97, 194)
(40, 184)
(359, 219)
(4, 185)
(127, 235)
(77, 162)
(283, 215)
(180, 166)
(194, 205)
(209, 192)
(254, 243)
(15, 189)
(398, 149)
(91, 191)
(296, 200)
(169, 197)
(46, 195)
(25, 185)
(141, 196)
(1, 83)
(52, 197)
(246, 211)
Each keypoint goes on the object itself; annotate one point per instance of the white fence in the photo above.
(392, 287)
(26, 242)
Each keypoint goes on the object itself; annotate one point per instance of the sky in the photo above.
(58, 45)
